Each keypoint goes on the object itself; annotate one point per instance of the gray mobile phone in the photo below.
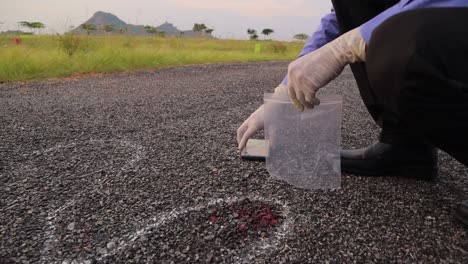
(256, 149)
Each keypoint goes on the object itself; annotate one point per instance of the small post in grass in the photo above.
(258, 48)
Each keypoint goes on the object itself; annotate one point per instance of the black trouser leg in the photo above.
(417, 65)
(352, 14)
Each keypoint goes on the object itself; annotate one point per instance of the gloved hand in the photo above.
(255, 122)
(311, 72)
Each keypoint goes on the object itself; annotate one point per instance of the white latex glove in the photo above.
(255, 122)
(311, 72)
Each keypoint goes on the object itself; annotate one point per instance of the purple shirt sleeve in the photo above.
(405, 5)
(326, 32)
(329, 30)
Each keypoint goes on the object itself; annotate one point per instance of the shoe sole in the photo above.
(422, 173)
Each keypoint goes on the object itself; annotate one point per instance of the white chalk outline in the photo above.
(50, 230)
(260, 247)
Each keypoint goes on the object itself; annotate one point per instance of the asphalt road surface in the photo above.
(143, 168)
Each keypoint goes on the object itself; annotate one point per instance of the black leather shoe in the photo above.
(461, 213)
(382, 159)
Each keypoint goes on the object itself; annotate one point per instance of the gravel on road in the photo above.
(143, 167)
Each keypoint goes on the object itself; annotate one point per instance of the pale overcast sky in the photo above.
(229, 18)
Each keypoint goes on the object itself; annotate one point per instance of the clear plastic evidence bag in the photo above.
(304, 148)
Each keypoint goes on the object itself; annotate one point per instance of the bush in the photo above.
(71, 44)
(278, 47)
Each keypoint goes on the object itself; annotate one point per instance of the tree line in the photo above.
(254, 36)
(201, 29)
(267, 31)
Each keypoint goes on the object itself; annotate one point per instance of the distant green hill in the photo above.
(100, 19)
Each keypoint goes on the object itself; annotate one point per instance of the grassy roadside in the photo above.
(42, 57)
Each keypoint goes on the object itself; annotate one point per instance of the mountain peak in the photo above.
(101, 18)
(168, 28)
(101, 13)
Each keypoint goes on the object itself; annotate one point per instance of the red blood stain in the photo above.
(259, 217)
(250, 216)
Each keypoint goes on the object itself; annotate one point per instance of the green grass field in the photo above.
(42, 57)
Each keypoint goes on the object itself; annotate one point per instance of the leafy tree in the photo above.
(252, 34)
(31, 25)
(267, 31)
(203, 27)
(108, 28)
(251, 31)
(209, 30)
(301, 37)
(151, 30)
(154, 31)
(25, 24)
(37, 25)
(89, 28)
(199, 28)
